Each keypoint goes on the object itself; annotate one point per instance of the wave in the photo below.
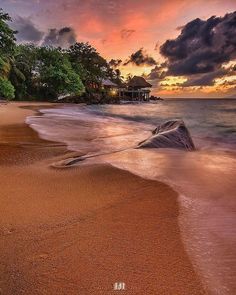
(205, 179)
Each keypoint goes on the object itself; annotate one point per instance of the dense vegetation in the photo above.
(28, 72)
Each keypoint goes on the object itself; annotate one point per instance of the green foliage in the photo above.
(22, 71)
(5, 67)
(45, 73)
(56, 74)
(7, 45)
(88, 63)
(7, 35)
(7, 90)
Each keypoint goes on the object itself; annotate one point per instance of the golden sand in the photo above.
(80, 230)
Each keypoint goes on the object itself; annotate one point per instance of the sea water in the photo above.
(205, 179)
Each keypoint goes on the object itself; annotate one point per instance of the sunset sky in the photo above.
(200, 61)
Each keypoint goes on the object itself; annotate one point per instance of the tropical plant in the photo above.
(55, 73)
(7, 35)
(7, 90)
(5, 67)
(7, 45)
(22, 71)
(88, 63)
(45, 73)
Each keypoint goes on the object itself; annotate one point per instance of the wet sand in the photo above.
(82, 229)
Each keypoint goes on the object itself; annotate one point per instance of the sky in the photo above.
(185, 48)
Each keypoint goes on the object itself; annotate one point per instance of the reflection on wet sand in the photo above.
(205, 179)
(206, 184)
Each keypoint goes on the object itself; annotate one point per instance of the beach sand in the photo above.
(80, 230)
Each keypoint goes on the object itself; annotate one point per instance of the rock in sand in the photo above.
(171, 134)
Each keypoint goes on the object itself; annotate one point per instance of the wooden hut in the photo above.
(109, 86)
(136, 89)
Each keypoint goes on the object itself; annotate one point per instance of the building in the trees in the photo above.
(136, 89)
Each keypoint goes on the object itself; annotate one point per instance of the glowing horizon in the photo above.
(118, 29)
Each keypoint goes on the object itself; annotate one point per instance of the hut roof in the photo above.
(139, 82)
(107, 82)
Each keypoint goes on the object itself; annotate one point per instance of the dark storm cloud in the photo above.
(115, 63)
(27, 31)
(51, 38)
(202, 47)
(60, 38)
(204, 79)
(157, 73)
(140, 58)
(177, 84)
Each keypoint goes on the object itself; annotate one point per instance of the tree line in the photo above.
(28, 72)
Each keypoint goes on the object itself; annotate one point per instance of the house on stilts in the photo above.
(137, 89)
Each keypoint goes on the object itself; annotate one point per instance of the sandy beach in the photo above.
(80, 230)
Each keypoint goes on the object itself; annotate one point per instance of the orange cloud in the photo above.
(118, 28)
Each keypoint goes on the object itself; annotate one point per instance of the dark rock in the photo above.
(152, 97)
(171, 134)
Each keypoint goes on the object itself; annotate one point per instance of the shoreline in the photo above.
(83, 229)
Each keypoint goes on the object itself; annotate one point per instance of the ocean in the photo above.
(211, 120)
(204, 179)
(212, 123)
